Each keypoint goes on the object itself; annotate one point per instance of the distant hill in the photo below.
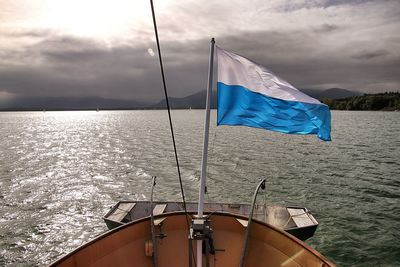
(194, 101)
(382, 101)
(197, 100)
(332, 93)
(69, 103)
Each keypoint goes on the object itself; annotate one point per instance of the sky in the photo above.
(106, 48)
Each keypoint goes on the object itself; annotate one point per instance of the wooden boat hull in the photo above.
(297, 221)
(125, 245)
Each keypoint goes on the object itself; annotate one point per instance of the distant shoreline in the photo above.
(94, 110)
(389, 101)
(368, 102)
(139, 109)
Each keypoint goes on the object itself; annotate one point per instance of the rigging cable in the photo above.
(168, 106)
(169, 114)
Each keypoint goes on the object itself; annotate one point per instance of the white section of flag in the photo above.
(237, 70)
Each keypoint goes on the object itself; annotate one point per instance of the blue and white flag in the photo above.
(251, 95)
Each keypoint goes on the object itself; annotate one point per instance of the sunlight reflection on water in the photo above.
(61, 171)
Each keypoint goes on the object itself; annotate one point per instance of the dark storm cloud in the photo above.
(70, 67)
(299, 58)
(352, 55)
(66, 66)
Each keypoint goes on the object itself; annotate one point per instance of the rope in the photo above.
(169, 113)
(291, 216)
(128, 212)
(265, 205)
(210, 155)
(168, 106)
(213, 142)
(153, 230)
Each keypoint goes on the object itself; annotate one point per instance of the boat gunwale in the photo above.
(113, 208)
(180, 213)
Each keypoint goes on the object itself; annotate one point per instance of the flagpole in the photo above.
(205, 149)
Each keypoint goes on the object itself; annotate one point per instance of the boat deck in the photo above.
(172, 243)
(297, 221)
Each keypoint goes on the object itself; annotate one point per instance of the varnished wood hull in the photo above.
(125, 246)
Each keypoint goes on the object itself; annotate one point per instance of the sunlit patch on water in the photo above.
(60, 172)
(141, 173)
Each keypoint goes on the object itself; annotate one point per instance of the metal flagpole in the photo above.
(205, 150)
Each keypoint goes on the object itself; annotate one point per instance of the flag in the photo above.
(251, 95)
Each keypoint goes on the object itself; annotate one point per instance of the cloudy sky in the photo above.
(106, 48)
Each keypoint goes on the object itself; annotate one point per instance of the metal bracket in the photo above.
(201, 230)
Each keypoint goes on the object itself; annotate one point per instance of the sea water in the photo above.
(61, 171)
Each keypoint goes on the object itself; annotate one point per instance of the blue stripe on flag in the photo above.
(240, 106)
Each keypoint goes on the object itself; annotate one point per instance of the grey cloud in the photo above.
(329, 3)
(69, 67)
(300, 59)
(40, 33)
(320, 56)
(78, 67)
(291, 6)
(366, 55)
(326, 28)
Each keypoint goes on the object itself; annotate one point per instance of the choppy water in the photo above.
(61, 171)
